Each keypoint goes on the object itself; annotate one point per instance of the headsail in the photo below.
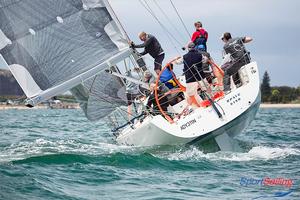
(100, 95)
(52, 46)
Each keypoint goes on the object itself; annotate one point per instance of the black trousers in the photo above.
(163, 103)
(130, 98)
(232, 71)
(158, 61)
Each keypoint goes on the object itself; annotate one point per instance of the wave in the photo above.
(77, 151)
(39, 147)
(56, 159)
(187, 159)
(255, 153)
(120, 160)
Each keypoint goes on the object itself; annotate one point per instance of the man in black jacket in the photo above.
(153, 47)
(194, 74)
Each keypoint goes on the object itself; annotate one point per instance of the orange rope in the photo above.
(177, 90)
(156, 96)
(181, 88)
(216, 66)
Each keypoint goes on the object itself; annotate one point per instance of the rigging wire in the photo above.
(117, 20)
(180, 19)
(114, 105)
(169, 35)
(98, 98)
(168, 19)
(157, 18)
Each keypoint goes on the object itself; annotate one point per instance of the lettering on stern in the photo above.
(234, 99)
(188, 124)
(253, 71)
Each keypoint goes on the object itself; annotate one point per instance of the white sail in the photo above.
(53, 46)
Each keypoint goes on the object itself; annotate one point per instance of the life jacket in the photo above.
(167, 77)
(200, 41)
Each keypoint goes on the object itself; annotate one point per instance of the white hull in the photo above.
(238, 109)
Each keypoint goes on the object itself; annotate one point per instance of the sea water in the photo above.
(58, 154)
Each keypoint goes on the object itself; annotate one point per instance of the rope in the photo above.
(180, 18)
(168, 19)
(99, 99)
(169, 35)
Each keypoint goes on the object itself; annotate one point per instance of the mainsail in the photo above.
(52, 46)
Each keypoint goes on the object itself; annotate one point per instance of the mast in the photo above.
(138, 60)
(116, 19)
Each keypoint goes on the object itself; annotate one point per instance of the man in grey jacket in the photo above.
(153, 47)
(234, 47)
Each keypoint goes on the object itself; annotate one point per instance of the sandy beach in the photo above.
(23, 107)
(280, 106)
(19, 107)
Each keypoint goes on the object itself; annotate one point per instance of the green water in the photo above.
(58, 154)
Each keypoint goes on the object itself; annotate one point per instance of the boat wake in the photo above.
(72, 150)
(40, 147)
(255, 153)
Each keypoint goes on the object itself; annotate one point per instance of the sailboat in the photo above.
(80, 46)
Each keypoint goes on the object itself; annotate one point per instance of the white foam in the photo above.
(256, 153)
(190, 154)
(22, 150)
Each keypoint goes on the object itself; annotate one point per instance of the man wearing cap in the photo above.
(234, 47)
(193, 74)
(153, 47)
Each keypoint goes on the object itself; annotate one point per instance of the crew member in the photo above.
(167, 78)
(193, 74)
(235, 49)
(162, 89)
(200, 37)
(153, 47)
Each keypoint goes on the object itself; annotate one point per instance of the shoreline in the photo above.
(280, 105)
(76, 106)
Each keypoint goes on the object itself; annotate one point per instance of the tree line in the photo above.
(278, 94)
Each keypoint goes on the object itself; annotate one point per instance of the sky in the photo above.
(273, 24)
